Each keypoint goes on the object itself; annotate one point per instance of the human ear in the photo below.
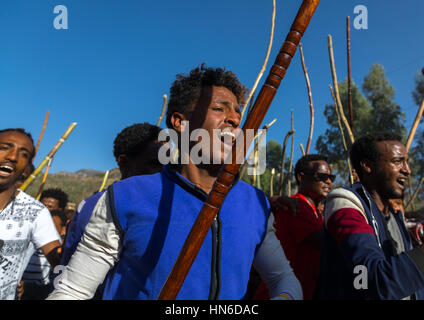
(299, 177)
(122, 160)
(178, 121)
(367, 166)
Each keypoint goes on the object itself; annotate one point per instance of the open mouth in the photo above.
(401, 182)
(6, 170)
(227, 136)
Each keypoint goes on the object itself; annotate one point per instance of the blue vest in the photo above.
(155, 214)
(390, 281)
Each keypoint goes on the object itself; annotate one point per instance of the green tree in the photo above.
(330, 143)
(273, 155)
(386, 113)
(376, 110)
(418, 93)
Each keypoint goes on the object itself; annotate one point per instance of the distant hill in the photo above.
(78, 185)
(82, 173)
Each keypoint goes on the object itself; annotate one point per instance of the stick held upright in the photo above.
(228, 172)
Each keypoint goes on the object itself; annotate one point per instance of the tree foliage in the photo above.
(375, 110)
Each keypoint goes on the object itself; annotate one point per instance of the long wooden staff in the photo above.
(283, 159)
(415, 126)
(311, 102)
(104, 181)
(409, 142)
(228, 172)
(336, 89)
(415, 194)
(349, 74)
(165, 99)
(43, 181)
(48, 157)
(290, 174)
(46, 118)
(261, 72)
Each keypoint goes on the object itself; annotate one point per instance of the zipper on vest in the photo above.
(216, 259)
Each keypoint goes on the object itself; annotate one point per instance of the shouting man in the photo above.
(24, 222)
(367, 252)
(139, 226)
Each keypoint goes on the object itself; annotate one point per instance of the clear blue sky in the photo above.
(116, 60)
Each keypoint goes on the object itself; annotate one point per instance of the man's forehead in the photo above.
(319, 165)
(391, 148)
(16, 137)
(219, 94)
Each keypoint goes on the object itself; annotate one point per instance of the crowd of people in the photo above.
(122, 242)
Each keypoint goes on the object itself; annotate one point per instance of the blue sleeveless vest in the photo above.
(155, 214)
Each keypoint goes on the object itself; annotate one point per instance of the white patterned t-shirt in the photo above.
(23, 221)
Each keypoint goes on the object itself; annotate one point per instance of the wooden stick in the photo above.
(43, 181)
(104, 180)
(283, 156)
(256, 177)
(311, 103)
(46, 118)
(415, 193)
(349, 74)
(251, 154)
(291, 158)
(229, 171)
(261, 72)
(271, 187)
(414, 126)
(336, 90)
(409, 142)
(302, 150)
(50, 155)
(165, 99)
(251, 103)
(343, 136)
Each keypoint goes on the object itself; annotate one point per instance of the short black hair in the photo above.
(186, 89)
(365, 147)
(131, 140)
(61, 214)
(22, 130)
(57, 194)
(302, 163)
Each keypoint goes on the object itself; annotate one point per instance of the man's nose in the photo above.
(233, 118)
(12, 155)
(406, 168)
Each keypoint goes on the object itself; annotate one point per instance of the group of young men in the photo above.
(122, 243)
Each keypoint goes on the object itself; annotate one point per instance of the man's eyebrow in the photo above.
(23, 148)
(399, 157)
(228, 104)
(11, 145)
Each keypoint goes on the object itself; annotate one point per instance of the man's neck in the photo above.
(314, 202)
(382, 204)
(200, 177)
(5, 196)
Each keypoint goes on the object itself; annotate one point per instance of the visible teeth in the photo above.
(7, 168)
(228, 133)
(402, 181)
